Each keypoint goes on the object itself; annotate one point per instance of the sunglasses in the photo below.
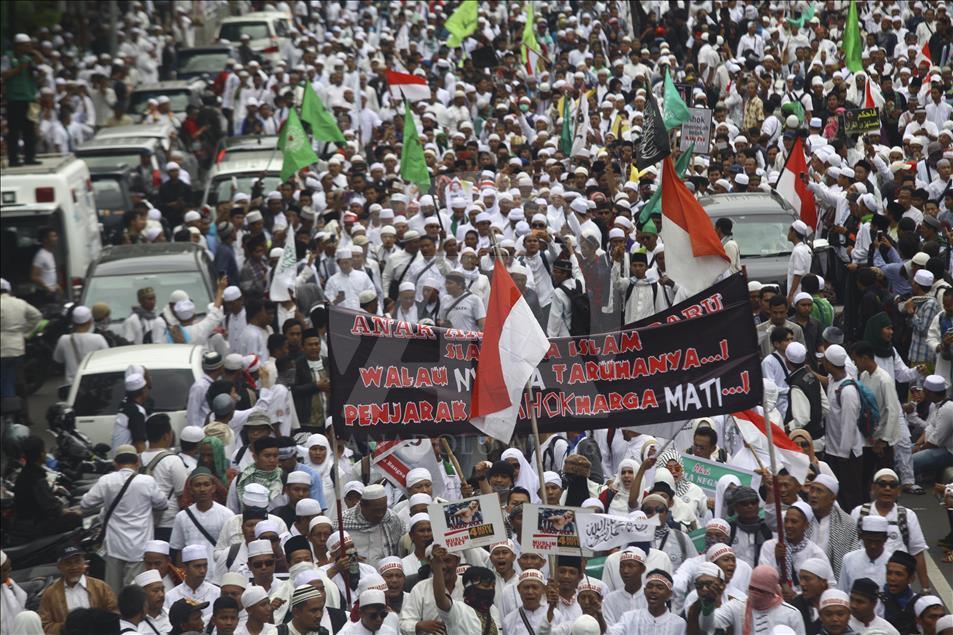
(655, 510)
(891, 484)
(262, 564)
(381, 614)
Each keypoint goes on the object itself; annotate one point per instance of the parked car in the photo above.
(99, 386)
(57, 193)
(761, 221)
(239, 175)
(181, 94)
(202, 61)
(239, 147)
(121, 270)
(112, 189)
(268, 31)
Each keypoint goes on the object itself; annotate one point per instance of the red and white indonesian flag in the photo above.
(395, 459)
(694, 256)
(788, 454)
(924, 54)
(873, 98)
(412, 87)
(513, 345)
(792, 187)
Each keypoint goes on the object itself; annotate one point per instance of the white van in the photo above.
(58, 193)
(98, 387)
(232, 176)
(268, 33)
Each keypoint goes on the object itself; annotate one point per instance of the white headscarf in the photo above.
(528, 477)
(619, 506)
(721, 491)
(27, 623)
(325, 467)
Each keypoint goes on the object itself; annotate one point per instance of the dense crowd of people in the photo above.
(232, 525)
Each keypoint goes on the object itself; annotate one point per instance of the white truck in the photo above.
(58, 193)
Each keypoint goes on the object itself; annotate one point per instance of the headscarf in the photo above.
(323, 468)
(528, 477)
(671, 454)
(872, 335)
(619, 506)
(27, 623)
(269, 479)
(765, 578)
(221, 431)
(721, 494)
(219, 460)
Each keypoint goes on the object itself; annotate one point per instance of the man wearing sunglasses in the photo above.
(261, 563)
(674, 542)
(904, 532)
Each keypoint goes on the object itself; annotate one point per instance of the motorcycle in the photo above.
(76, 455)
(40, 344)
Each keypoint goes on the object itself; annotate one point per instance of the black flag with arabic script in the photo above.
(653, 146)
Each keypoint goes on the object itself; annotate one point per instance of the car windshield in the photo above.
(119, 292)
(233, 31)
(225, 187)
(100, 394)
(129, 158)
(762, 234)
(109, 194)
(178, 99)
(201, 61)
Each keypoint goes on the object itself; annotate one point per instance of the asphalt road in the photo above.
(933, 518)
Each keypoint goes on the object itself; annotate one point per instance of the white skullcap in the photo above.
(371, 597)
(593, 502)
(418, 475)
(299, 477)
(389, 563)
(801, 296)
(719, 524)
(407, 286)
(306, 506)
(185, 309)
(795, 352)
(804, 508)
(819, 567)
(233, 578)
(267, 526)
(552, 477)
(231, 293)
(259, 547)
(419, 499)
(134, 382)
(255, 495)
(334, 540)
(81, 315)
(585, 625)
(417, 518)
(194, 552)
(924, 603)
(710, 569)
(146, 578)
(156, 546)
(836, 355)
(253, 595)
(373, 492)
(718, 550)
(353, 486)
(827, 481)
(800, 227)
(923, 278)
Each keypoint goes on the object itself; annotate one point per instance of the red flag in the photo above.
(792, 187)
(412, 87)
(694, 256)
(513, 345)
(868, 98)
(788, 454)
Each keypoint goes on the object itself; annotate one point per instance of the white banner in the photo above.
(601, 532)
(468, 523)
(285, 271)
(550, 530)
(697, 130)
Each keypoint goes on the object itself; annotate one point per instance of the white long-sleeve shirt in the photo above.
(732, 615)
(351, 284)
(130, 525)
(843, 438)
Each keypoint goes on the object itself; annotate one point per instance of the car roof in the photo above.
(250, 162)
(256, 16)
(118, 142)
(146, 130)
(147, 258)
(111, 360)
(247, 144)
(211, 48)
(104, 171)
(172, 84)
(742, 203)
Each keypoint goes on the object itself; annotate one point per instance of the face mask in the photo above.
(524, 107)
(479, 599)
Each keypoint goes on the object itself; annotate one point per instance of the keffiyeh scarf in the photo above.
(270, 479)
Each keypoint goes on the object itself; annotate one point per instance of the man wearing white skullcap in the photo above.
(934, 449)
(797, 546)
(194, 587)
(71, 348)
(156, 619)
(375, 529)
(834, 609)
(343, 289)
(832, 527)
(12, 597)
(256, 497)
(870, 560)
(337, 550)
(799, 264)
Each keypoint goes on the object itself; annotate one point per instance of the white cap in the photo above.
(231, 293)
(267, 526)
(819, 567)
(134, 382)
(935, 383)
(923, 278)
(82, 315)
(307, 507)
(802, 296)
(407, 286)
(171, 165)
(192, 434)
(255, 495)
(253, 595)
(21, 38)
(874, 524)
(800, 227)
(371, 597)
(795, 352)
(191, 216)
(418, 518)
(836, 355)
(374, 492)
(418, 475)
(259, 548)
(299, 477)
(5, 285)
(234, 578)
(828, 482)
(194, 552)
(366, 296)
(924, 603)
(233, 361)
(834, 597)
(146, 578)
(184, 309)
(156, 546)
(804, 508)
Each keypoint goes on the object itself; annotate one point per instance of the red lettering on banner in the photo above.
(426, 332)
(361, 327)
(371, 376)
(460, 410)
(426, 410)
(403, 329)
(461, 352)
(630, 341)
(457, 541)
(649, 400)
(691, 359)
(693, 312)
(377, 414)
(443, 413)
(559, 370)
(610, 346)
(553, 352)
(411, 413)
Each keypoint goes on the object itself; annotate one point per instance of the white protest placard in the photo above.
(468, 523)
(697, 130)
(601, 532)
(550, 530)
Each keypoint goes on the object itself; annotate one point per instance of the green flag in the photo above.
(296, 150)
(654, 203)
(413, 166)
(462, 23)
(566, 134)
(323, 126)
(676, 112)
(806, 16)
(853, 44)
(529, 33)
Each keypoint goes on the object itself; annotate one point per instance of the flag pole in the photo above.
(337, 495)
(774, 482)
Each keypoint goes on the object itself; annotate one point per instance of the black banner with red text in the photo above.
(395, 380)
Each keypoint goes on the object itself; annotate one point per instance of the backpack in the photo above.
(901, 522)
(580, 312)
(869, 417)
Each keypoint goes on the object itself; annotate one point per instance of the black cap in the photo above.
(866, 587)
(562, 265)
(664, 488)
(212, 361)
(475, 575)
(742, 494)
(905, 559)
(69, 552)
(180, 611)
(296, 543)
(501, 467)
(569, 561)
